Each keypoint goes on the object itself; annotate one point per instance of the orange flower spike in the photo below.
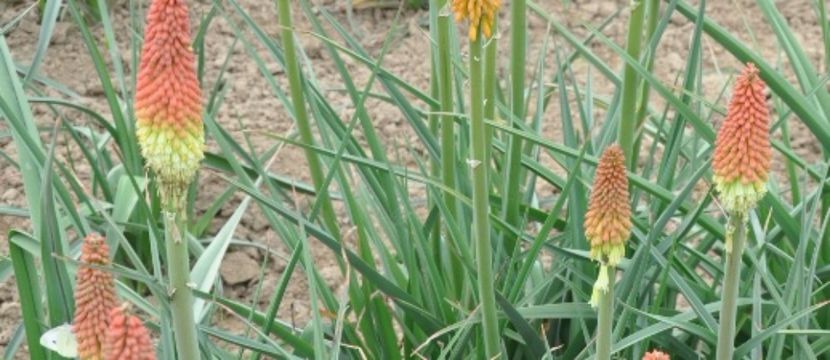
(742, 149)
(94, 298)
(128, 339)
(608, 220)
(656, 355)
(480, 13)
(168, 100)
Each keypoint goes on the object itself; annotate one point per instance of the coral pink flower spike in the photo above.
(608, 220)
(94, 298)
(168, 101)
(656, 355)
(128, 339)
(742, 150)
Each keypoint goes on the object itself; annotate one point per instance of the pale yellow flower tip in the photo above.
(600, 286)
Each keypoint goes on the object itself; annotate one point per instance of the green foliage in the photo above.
(49, 8)
(412, 270)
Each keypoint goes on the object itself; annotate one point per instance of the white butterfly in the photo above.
(61, 340)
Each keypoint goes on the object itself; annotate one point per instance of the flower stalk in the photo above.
(481, 15)
(518, 45)
(605, 313)
(435, 128)
(481, 205)
(181, 294)
(491, 49)
(447, 121)
(628, 111)
(736, 235)
(447, 132)
(652, 16)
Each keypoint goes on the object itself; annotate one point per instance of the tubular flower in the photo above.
(600, 286)
(656, 355)
(128, 339)
(94, 298)
(168, 100)
(608, 221)
(480, 13)
(742, 149)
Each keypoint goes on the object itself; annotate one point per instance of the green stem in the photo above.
(729, 297)
(448, 158)
(181, 295)
(292, 68)
(447, 122)
(481, 205)
(628, 116)
(435, 129)
(491, 47)
(605, 316)
(518, 44)
(652, 15)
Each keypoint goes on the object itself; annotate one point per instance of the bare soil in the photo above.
(250, 107)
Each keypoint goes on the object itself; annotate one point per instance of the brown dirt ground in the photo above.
(250, 103)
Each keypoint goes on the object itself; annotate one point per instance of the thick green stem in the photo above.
(652, 15)
(292, 68)
(481, 205)
(447, 122)
(435, 128)
(181, 295)
(518, 44)
(448, 161)
(491, 47)
(730, 287)
(605, 316)
(628, 116)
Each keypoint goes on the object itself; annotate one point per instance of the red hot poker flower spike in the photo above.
(656, 355)
(168, 101)
(742, 149)
(608, 221)
(480, 13)
(94, 298)
(128, 339)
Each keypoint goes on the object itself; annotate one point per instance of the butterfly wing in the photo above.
(61, 340)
